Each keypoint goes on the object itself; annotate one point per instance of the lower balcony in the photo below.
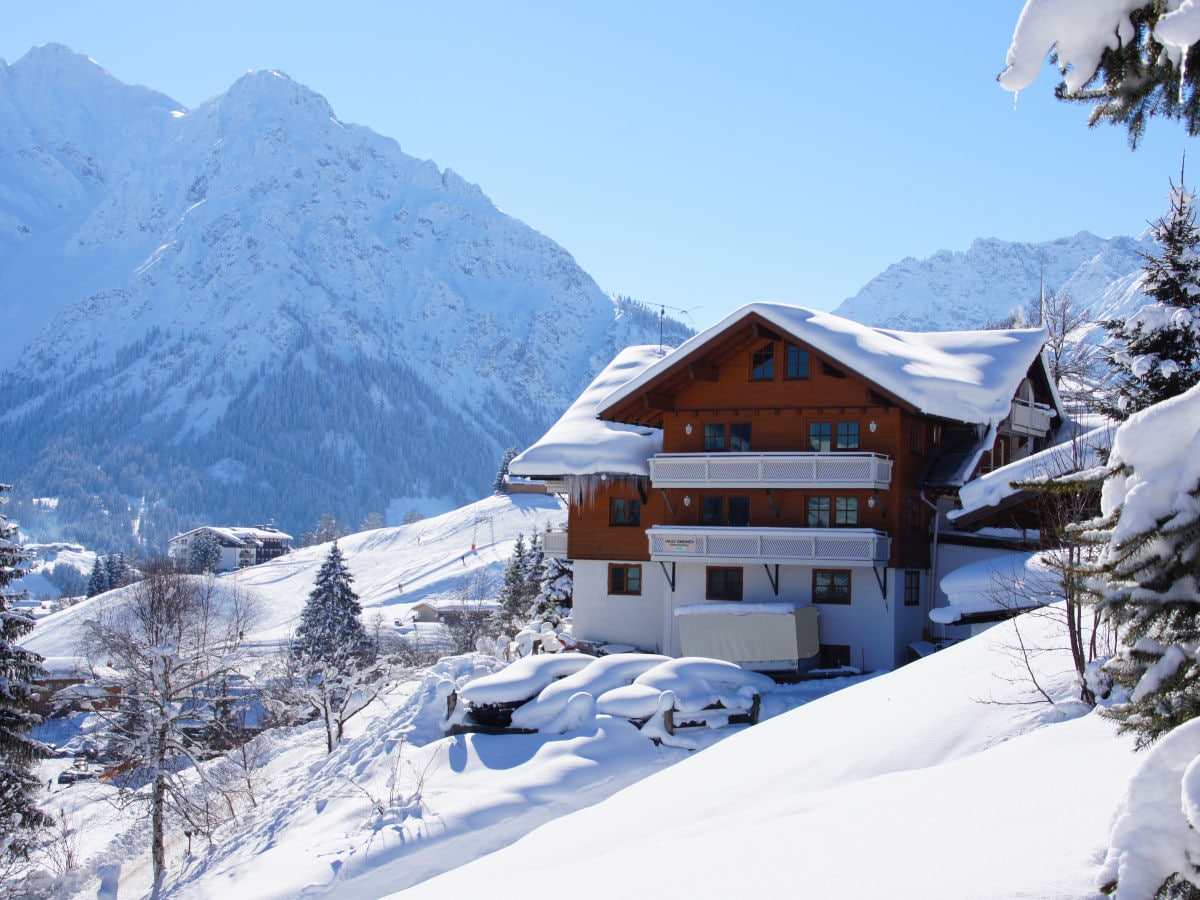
(786, 546)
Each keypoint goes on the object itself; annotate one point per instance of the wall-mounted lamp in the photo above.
(687, 500)
(872, 426)
(871, 502)
(687, 429)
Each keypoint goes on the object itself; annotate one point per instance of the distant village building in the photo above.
(240, 546)
(772, 491)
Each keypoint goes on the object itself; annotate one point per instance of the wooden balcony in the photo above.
(786, 546)
(868, 471)
(1030, 418)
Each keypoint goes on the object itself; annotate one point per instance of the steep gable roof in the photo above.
(963, 376)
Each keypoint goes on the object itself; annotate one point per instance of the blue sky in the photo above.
(699, 155)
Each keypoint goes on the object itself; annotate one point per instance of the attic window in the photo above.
(762, 363)
(797, 362)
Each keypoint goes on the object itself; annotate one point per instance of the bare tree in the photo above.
(1066, 494)
(173, 638)
(335, 687)
(471, 616)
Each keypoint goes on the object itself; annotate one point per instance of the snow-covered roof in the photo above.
(580, 444)
(238, 535)
(965, 376)
(1005, 582)
(1077, 452)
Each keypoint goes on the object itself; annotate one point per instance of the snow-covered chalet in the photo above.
(769, 492)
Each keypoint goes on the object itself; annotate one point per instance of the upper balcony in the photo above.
(842, 469)
(786, 546)
(1030, 418)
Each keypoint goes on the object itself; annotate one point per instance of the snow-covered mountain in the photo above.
(253, 309)
(994, 278)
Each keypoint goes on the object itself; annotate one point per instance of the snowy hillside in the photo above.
(993, 278)
(393, 568)
(253, 310)
(945, 779)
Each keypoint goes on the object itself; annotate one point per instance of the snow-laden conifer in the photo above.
(1157, 351)
(20, 818)
(331, 625)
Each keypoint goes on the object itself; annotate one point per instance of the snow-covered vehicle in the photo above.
(487, 704)
(539, 694)
(690, 691)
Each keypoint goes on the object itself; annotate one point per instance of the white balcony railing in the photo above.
(554, 544)
(788, 546)
(1030, 418)
(771, 470)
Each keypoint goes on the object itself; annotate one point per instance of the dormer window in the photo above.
(762, 363)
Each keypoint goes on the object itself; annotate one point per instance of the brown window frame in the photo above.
(834, 574)
(762, 362)
(845, 512)
(824, 511)
(727, 593)
(714, 437)
(801, 362)
(844, 432)
(825, 437)
(627, 569)
(632, 517)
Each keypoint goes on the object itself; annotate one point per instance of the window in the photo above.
(624, 512)
(914, 513)
(739, 437)
(723, 584)
(912, 587)
(712, 510)
(818, 512)
(847, 436)
(739, 511)
(845, 511)
(714, 437)
(797, 362)
(820, 437)
(762, 363)
(914, 437)
(831, 586)
(623, 579)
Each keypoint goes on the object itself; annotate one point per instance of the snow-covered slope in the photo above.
(393, 568)
(253, 309)
(993, 278)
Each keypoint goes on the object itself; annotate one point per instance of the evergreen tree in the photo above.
(1151, 565)
(499, 482)
(114, 564)
(330, 625)
(20, 819)
(98, 580)
(554, 596)
(1158, 351)
(205, 553)
(515, 594)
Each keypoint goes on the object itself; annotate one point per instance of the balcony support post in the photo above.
(670, 575)
(774, 579)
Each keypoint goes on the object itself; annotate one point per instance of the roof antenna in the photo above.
(662, 313)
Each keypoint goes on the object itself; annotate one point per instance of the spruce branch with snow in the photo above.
(1130, 60)
(1150, 563)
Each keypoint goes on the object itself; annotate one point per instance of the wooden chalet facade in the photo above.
(783, 519)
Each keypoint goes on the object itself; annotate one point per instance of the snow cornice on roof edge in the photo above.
(962, 376)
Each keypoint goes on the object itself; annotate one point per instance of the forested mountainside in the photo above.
(253, 310)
